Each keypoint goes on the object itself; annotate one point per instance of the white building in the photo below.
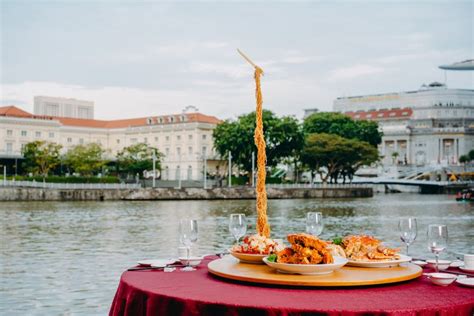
(65, 107)
(432, 125)
(184, 139)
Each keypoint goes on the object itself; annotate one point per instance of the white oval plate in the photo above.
(156, 263)
(307, 269)
(379, 264)
(466, 281)
(248, 258)
(467, 270)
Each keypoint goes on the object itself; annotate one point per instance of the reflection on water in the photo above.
(67, 257)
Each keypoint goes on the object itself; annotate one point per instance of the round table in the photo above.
(200, 293)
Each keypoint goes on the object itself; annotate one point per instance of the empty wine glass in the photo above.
(408, 230)
(188, 234)
(314, 223)
(437, 240)
(237, 226)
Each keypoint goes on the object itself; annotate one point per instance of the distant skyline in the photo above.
(151, 58)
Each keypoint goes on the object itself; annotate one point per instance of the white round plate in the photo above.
(466, 281)
(456, 264)
(248, 258)
(156, 263)
(307, 269)
(466, 269)
(420, 263)
(379, 264)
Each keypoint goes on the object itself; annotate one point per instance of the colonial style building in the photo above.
(432, 125)
(185, 139)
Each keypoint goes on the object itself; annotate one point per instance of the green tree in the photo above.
(342, 125)
(137, 158)
(40, 157)
(332, 155)
(471, 154)
(86, 159)
(283, 136)
(464, 159)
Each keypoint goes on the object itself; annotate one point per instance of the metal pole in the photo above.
(5, 175)
(154, 167)
(253, 168)
(230, 169)
(205, 171)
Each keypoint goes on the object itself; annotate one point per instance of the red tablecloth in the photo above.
(200, 293)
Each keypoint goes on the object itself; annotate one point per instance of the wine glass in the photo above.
(188, 234)
(408, 230)
(237, 226)
(314, 223)
(437, 240)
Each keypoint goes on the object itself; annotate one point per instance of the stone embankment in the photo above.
(46, 194)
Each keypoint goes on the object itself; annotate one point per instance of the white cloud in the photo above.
(351, 72)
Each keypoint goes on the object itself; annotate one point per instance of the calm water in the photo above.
(66, 257)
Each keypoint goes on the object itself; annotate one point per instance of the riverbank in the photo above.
(49, 194)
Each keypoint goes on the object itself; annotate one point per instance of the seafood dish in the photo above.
(305, 249)
(257, 244)
(367, 248)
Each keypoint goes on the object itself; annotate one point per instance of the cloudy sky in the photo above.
(138, 59)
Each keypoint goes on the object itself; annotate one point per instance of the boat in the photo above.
(465, 195)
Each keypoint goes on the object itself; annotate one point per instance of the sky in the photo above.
(137, 59)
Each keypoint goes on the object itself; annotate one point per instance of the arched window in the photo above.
(178, 173)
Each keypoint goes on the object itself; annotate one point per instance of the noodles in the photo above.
(263, 228)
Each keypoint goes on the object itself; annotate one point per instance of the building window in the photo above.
(178, 151)
(9, 147)
(69, 140)
(182, 118)
(167, 138)
(118, 141)
(51, 135)
(190, 136)
(24, 133)
(204, 150)
(190, 150)
(190, 172)
(145, 140)
(167, 151)
(38, 134)
(204, 137)
(171, 119)
(178, 137)
(81, 141)
(156, 139)
(9, 132)
(178, 173)
(133, 140)
(23, 147)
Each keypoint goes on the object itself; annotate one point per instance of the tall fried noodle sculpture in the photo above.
(263, 228)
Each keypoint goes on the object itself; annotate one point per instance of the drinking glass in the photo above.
(237, 226)
(188, 234)
(437, 240)
(408, 230)
(314, 223)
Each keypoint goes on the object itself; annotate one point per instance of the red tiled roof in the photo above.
(121, 123)
(381, 114)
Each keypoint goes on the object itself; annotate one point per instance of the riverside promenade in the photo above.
(18, 193)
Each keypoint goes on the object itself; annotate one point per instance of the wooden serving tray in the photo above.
(230, 268)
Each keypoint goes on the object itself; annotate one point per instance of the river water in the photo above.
(66, 258)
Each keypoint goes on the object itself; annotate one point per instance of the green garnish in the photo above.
(337, 241)
(272, 257)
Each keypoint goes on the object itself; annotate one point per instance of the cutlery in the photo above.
(154, 268)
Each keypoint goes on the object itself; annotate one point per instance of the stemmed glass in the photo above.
(237, 226)
(437, 240)
(188, 234)
(314, 223)
(408, 230)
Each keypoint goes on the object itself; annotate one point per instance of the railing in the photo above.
(318, 185)
(50, 185)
